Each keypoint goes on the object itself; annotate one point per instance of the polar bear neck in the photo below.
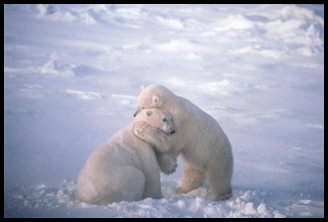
(180, 108)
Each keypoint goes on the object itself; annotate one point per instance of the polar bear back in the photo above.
(208, 138)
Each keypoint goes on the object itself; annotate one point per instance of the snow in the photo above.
(72, 74)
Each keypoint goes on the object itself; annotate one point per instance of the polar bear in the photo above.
(204, 147)
(126, 168)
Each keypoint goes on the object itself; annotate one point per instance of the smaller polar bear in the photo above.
(126, 168)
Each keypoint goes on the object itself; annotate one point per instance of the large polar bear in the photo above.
(126, 167)
(204, 147)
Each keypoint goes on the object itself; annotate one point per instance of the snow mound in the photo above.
(26, 201)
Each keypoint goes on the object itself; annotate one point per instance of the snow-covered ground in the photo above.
(72, 74)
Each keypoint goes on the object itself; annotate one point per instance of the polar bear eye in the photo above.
(164, 120)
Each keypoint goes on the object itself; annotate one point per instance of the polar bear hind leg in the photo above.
(129, 185)
(220, 184)
(126, 184)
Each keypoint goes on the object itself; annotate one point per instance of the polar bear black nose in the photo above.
(172, 131)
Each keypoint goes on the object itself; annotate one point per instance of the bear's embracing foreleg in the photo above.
(161, 143)
(167, 163)
(154, 136)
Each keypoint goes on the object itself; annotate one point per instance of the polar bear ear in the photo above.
(142, 87)
(149, 113)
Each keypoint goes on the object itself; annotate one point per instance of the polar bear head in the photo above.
(157, 118)
(153, 96)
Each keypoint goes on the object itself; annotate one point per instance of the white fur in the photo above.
(126, 168)
(204, 147)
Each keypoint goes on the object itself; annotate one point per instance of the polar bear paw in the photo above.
(144, 131)
(166, 162)
(177, 191)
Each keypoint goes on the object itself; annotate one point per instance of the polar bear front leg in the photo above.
(191, 179)
(160, 142)
(154, 136)
(151, 171)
